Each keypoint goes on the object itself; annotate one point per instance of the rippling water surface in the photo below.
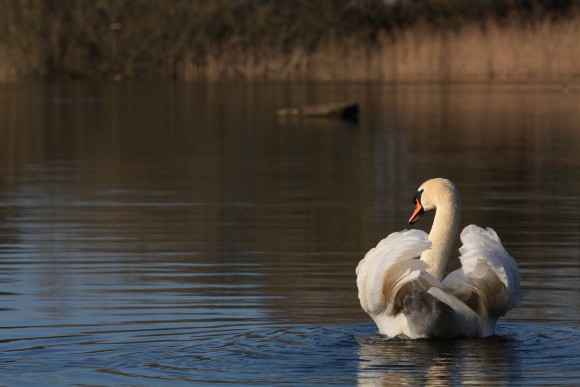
(158, 233)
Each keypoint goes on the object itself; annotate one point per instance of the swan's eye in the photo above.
(417, 197)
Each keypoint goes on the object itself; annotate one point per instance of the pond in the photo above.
(164, 233)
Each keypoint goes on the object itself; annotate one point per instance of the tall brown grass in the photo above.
(302, 40)
(474, 52)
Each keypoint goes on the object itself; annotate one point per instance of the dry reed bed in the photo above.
(309, 40)
(546, 51)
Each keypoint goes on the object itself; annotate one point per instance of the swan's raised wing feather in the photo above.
(388, 267)
(489, 279)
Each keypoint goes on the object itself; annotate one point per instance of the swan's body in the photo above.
(409, 296)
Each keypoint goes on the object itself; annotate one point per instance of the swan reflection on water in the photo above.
(386, 362)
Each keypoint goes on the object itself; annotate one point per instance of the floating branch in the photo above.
(344, 110)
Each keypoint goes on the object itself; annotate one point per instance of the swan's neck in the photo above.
(442, 235)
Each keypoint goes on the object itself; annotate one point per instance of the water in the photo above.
(158, 233)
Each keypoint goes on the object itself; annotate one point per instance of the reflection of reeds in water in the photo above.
(322, 40)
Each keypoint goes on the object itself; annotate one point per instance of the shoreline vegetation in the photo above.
(363, 40)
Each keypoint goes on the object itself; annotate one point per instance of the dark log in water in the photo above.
(344, 110)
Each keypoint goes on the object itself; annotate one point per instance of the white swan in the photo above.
(408, 296)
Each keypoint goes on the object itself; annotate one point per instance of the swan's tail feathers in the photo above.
(388, 268)
(428, 316)
(489, 279)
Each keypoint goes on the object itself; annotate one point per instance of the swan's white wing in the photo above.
(489, 279)
(390, 266)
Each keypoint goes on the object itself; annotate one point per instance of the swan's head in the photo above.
(431, 194)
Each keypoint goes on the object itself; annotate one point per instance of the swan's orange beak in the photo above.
(417, 213)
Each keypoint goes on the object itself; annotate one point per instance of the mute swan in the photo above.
(408, 296)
